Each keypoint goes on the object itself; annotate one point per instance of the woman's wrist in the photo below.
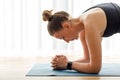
(69, 65)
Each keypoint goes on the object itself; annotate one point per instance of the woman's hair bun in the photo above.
(47, 15)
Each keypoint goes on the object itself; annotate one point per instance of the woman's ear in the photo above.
(66, 25)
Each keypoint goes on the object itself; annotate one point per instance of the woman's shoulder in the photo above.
(95, 15)
(94, 18)
(92, 13)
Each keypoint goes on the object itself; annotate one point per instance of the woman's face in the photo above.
(68, 33)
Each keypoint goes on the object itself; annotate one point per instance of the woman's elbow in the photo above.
(95, 69)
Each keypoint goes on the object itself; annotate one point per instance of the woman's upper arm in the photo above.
(93, 41)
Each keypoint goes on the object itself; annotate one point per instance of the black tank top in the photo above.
(112, 11)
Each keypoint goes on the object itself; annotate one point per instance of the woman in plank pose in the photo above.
(102, 20)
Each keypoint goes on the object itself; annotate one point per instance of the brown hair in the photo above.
(54, 21)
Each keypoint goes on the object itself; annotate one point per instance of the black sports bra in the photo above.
(112, 11)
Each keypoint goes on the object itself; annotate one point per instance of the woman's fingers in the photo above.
(54, 58)
(57, 56)
(53, 62)
(54, 65)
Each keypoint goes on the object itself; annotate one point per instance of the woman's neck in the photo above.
(77, 24)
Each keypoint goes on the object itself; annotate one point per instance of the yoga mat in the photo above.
(46, 70)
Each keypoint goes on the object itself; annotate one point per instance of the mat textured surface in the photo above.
(46, 70)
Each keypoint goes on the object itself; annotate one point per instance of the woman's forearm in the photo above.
(84, 67)
(82, 60)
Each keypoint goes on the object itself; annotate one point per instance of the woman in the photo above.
(102, 20)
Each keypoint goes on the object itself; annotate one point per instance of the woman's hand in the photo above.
(59, 62)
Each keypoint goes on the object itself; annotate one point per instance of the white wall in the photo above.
(23, 33)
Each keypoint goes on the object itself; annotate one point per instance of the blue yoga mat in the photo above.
(46, 70)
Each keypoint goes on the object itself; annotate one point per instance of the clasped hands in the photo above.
(59, 62)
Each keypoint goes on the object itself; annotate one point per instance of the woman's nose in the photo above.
(66, 40)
